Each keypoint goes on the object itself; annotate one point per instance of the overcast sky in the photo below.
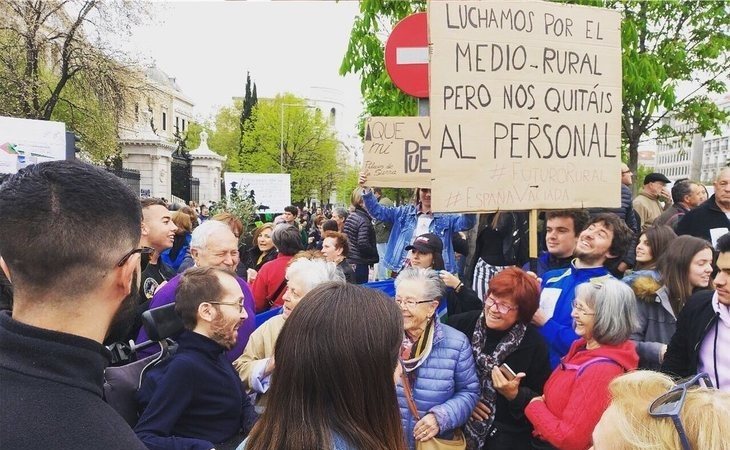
(287, 46)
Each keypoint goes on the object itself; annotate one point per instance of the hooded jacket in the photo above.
(657, 322)
(574, 400)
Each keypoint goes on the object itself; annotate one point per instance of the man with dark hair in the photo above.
(158, 232)
(562, 228)
(710, 220)
(291, 214)
(70, 281)
(703, 329)
(686, 195)
(606, 237)
(195, 400)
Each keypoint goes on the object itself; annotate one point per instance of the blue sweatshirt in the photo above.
(193, 400)
(561, 283)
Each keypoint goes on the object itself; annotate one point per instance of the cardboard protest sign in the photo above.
(525, 105)
(397, 152)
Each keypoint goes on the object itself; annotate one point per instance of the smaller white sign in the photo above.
(25, 141)
(271, 191)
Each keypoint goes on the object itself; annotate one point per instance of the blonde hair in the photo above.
(356, 197)
(704, 415)
(182, 220)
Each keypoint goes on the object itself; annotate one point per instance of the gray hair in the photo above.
(342, 212)
(286, 239)
(614, 304)
(433, 286)
(313, 272)
(205, 230)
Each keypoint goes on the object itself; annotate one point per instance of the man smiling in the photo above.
(195, 400)
(606, 237)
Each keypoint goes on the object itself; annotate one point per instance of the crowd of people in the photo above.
(283, 342)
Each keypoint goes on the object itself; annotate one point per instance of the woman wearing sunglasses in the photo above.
(439, 387)
(648, 410)
(501, 333)
(576, 394)
(683, 268)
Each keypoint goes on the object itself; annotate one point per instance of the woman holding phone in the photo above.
(511, 358)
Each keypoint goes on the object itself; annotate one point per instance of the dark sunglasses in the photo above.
(141, 251)
(671, 403)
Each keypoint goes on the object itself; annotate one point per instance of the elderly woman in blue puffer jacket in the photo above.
(437, 361)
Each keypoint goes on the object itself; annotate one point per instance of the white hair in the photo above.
(205, 230)
(429, 279)
(313, 272)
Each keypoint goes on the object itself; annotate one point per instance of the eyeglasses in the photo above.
(501, 307)
(409, 302)
(141, 251)
(239, 304)
(582, 309)
(670, 404)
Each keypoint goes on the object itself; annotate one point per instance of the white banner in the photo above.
(271, 191)
(25, 141)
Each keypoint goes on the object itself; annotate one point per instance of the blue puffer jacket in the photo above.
(404, 221)
(446, 384)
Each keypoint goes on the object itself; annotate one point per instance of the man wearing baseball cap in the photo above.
(648, 204)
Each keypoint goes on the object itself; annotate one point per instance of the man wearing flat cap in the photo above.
(648, 204)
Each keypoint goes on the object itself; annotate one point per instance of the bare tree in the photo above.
(58, 58)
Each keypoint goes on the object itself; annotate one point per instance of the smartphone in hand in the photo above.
(507, 372)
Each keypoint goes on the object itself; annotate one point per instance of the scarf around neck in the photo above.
(419, 350)
(477, 431)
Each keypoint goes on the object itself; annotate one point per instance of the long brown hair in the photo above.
(335, 359)
(673, 267)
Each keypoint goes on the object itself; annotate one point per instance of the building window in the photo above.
(136, 112)
(177, 124)
(164, 121)
(183, 124)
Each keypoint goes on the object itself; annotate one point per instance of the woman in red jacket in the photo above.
(576, 394)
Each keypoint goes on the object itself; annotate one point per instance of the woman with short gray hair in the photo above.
(439, 386)
(576, 394)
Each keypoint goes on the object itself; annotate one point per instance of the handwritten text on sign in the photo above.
(525, 105)
(397, 152)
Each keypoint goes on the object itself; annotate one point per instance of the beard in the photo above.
(123, 322)
(225, 331)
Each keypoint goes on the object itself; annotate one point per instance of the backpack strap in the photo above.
(580, 368)
(272, 299)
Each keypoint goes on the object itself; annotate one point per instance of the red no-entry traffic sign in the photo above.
(406, 55)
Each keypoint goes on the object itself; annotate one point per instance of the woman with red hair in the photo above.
(511, 358)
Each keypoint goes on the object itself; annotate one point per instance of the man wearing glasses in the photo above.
(195, 399)
(703, 329)
(70, 245)
(606, 237)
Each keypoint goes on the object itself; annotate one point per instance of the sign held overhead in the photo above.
(397, 152)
